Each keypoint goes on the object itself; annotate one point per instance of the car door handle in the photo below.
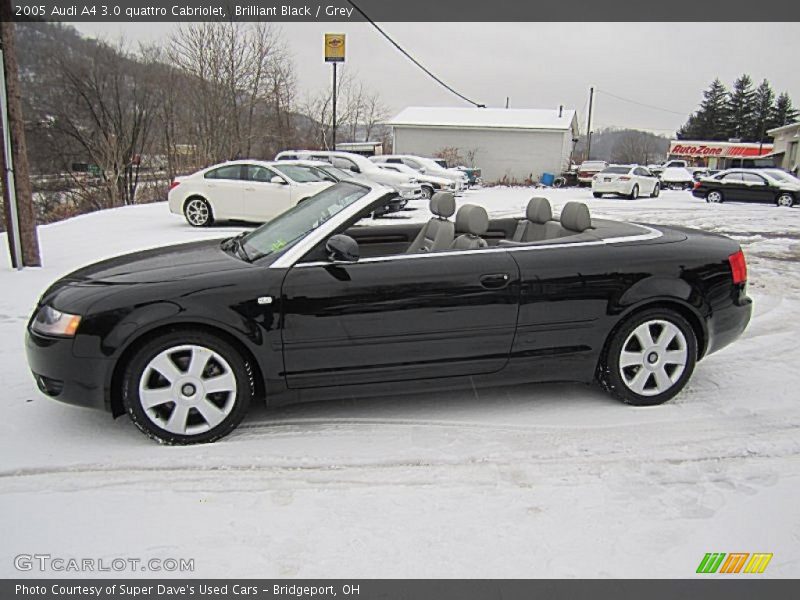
(495, 281)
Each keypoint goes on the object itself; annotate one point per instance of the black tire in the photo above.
(197, 212)
(784, 199)
(715, 197)
(597, 194)
(427, 192)
(634, 192)
(656, 191)
(236, 403)
(610, 375)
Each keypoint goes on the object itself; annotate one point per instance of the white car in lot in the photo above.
(424, 166)
(407, 186)
(428, 183)
(247, 190)
(677, 178)
(631, 181)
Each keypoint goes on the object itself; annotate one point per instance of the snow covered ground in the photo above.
(531, 481)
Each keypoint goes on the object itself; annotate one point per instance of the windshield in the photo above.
(293, 225)
(336, 172)
(782, 176)
(300, 173)
(621, 170)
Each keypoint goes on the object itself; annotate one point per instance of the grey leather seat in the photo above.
(538, 224)
(474, 221)
(575, 218)
(438, 233)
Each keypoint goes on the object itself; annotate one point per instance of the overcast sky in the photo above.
(542, 65)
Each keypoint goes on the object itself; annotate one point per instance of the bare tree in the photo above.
(635, 147)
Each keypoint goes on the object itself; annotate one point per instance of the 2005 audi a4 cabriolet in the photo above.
(184, 338)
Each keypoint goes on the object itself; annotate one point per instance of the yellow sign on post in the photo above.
(334, 47)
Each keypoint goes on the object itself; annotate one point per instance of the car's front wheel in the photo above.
(786, 200)
(198, 212)
(187, 387)
(714, 197)
(649, 358)
(427, 192)
(656, 191)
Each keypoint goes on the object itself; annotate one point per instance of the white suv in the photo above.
(407, 186)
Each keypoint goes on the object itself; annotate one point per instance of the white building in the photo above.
(512, 143)
(785, 152)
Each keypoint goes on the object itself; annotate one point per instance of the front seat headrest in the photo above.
(472, 219)
(575, 217)
(539, 210)
(443, 204)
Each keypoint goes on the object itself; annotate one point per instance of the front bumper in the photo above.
(410, 193)
(65, 377)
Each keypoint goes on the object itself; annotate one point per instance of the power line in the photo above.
(674, 112)
(412, 59)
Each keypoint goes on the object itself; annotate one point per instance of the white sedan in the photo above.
(631, 181)
(247, 190)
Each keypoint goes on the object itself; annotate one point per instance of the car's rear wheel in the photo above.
(714, 197)
(597, 194)
(656, 191)
(198, 212)
(786, 200)
(649, 358)
(634, 192)
(187, 388)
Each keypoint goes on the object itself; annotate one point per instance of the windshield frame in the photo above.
(256, 253)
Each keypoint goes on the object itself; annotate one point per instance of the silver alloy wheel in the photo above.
(196, 212)
(714, 197)
(785, 200)
(427, 193)
(653, 357)
(635, 192)
(656, 191)
(187, 389)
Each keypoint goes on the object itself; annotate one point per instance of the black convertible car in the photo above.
(183, 338)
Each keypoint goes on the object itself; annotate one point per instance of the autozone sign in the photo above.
(718, 149)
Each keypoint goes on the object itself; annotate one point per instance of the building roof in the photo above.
(484, 118)
(789, 127)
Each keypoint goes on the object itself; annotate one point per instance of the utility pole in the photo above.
(17, 196)
(589, 126)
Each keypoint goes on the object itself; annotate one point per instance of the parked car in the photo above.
(670, 164)
(407, 186)
(743, 185)
(425, 166)
(676, 178)
(588, 169)
(429, 183)
(249, 190)
(473, 175)
(625, 180)
(320, 302)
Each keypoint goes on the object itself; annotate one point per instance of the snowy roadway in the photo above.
(531, 481)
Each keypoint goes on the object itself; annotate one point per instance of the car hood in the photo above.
(170, 263)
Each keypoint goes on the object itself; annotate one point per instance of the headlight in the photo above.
(49, 321)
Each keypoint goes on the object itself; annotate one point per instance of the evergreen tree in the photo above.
(783, 113)
(710, 121)
(741, 108)
(762, 111)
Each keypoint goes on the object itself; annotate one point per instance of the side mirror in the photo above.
(276, 179)
(342, 249)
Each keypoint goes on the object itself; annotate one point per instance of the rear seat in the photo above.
(574, 221)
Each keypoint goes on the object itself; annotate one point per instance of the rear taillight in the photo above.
(696, 184)
(624, 178)
(175, 183)
(738, 267)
